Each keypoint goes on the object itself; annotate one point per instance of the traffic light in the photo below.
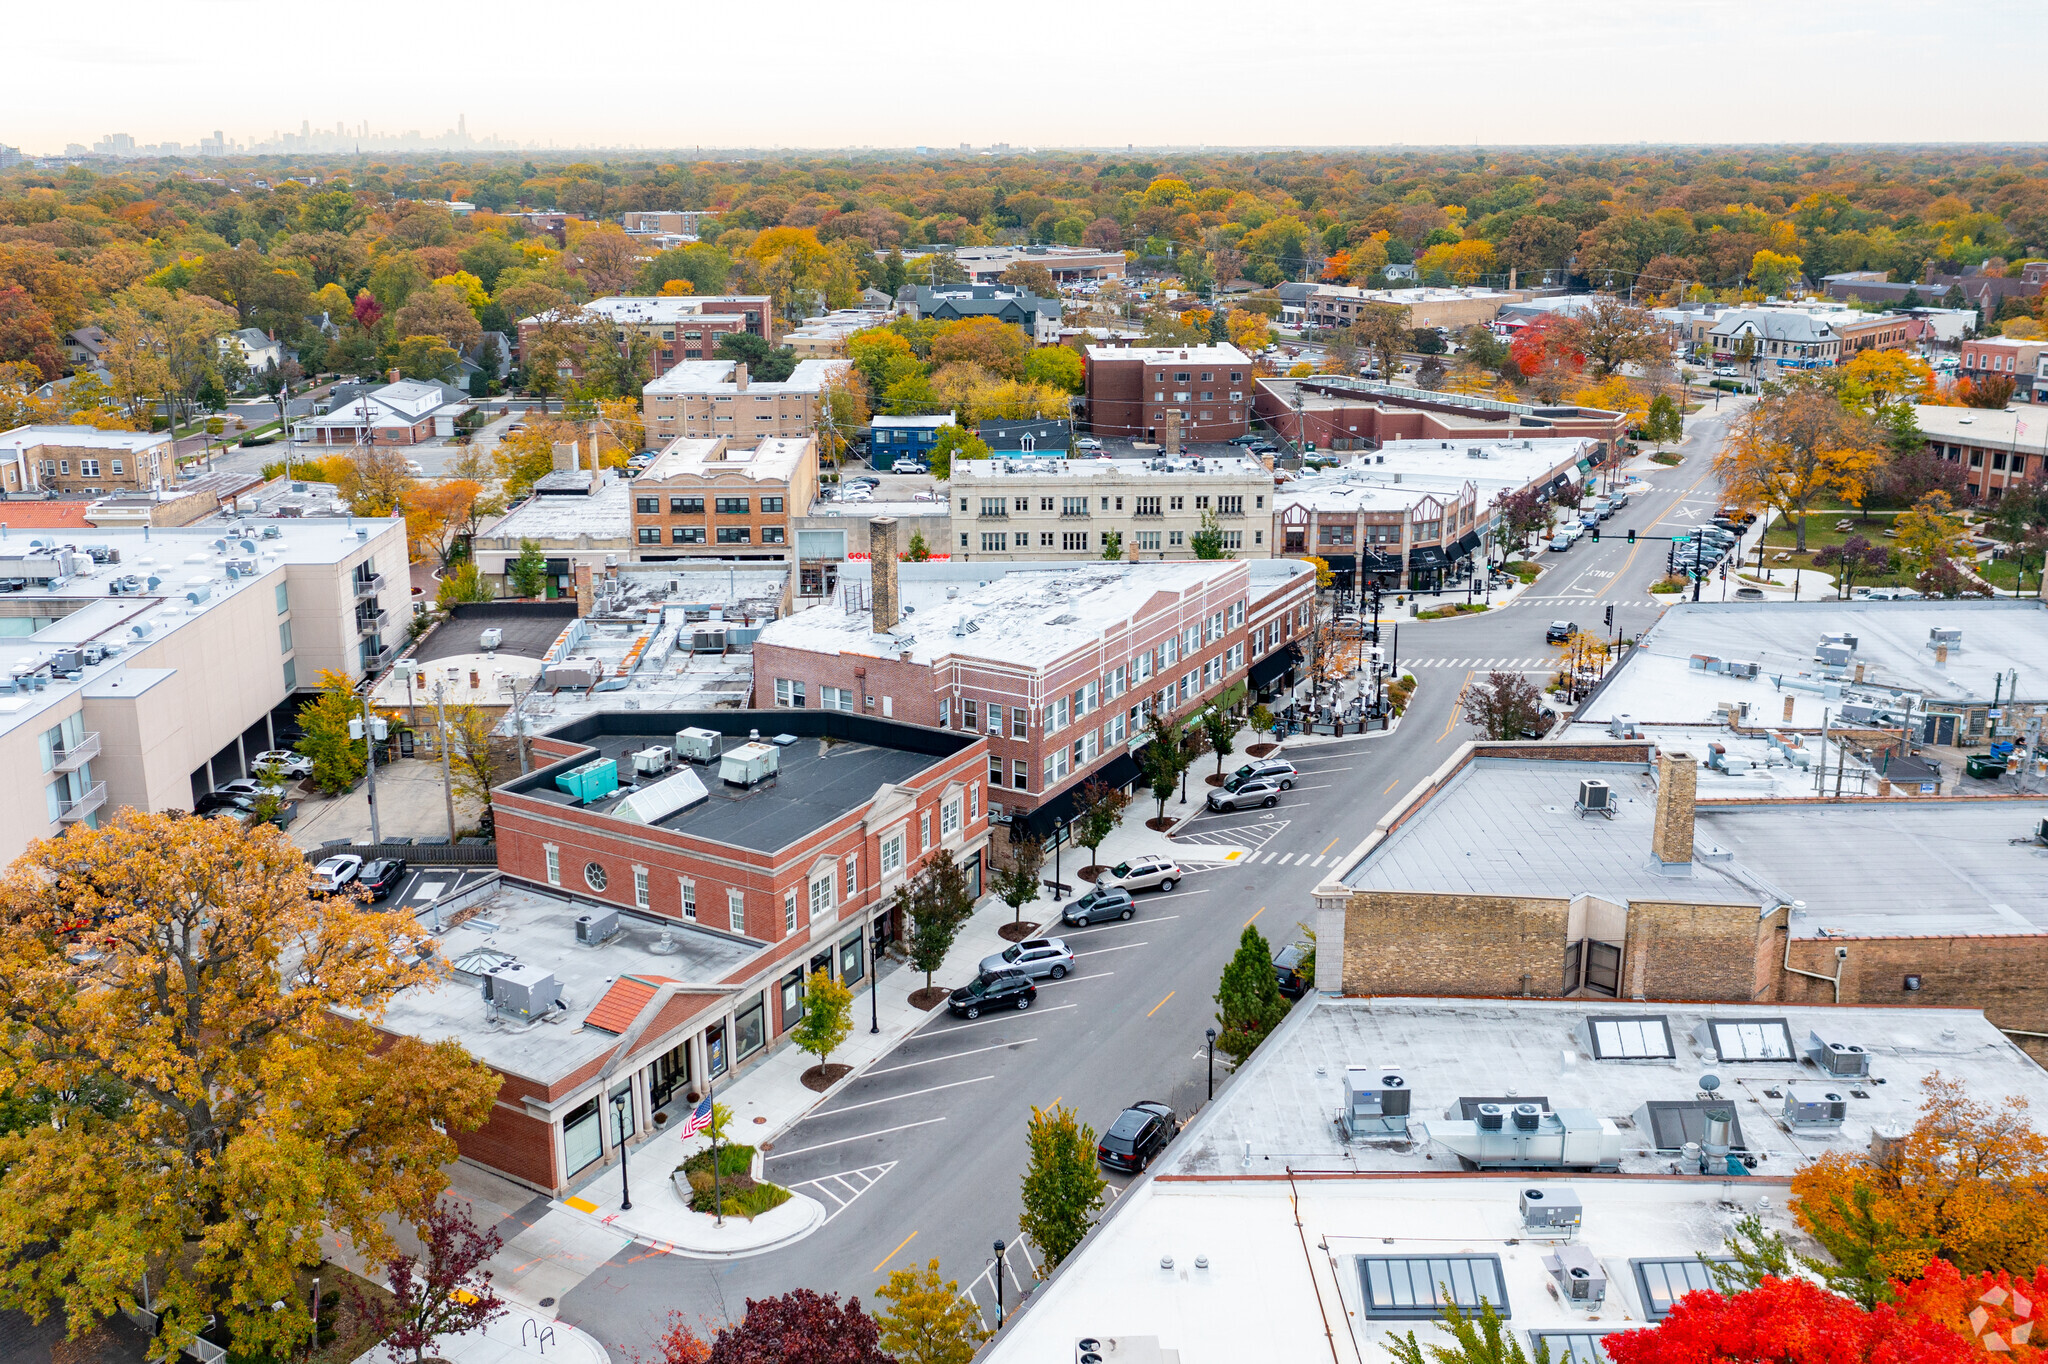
(1610, 615)
(1631, 537)
(1596, 535)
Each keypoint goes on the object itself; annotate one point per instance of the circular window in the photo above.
(594, 874)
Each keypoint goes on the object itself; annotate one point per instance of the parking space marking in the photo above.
(851, 1185)
(825, 1145)
(1135, 923)
(1070, 980)
(892, 1098)
(955, 1055)
(1120, 947)
(928, 1030)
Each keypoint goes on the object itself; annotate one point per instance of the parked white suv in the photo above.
(1143, 873)
(1279, 769)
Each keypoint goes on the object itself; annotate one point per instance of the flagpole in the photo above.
(717, 1192)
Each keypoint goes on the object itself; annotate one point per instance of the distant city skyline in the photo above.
(1073, 74)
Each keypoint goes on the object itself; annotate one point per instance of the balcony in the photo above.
(371, 623)
(71, 811)
(77, 756)
(377, 661)
(369, 587)
(1003, 515)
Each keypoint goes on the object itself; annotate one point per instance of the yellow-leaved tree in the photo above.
(195, 1025)
(1795, 447)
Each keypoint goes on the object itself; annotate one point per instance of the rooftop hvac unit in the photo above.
(592, 781)
(1622, 727)
(749, 764)
(1811, 1110)
(1939, 638)
(1578, 1274)
(697, 745)
(1567, 1139)
(1596, 797)
(653, 761)
(593, 929)
(1556, 1206)
(1744, 667)
(522, 991)
(1839, 1058)
(1833, 655)
(1376, 1101)
(2041, 831)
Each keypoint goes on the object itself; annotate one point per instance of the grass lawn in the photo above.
(2004, 574)
(1460, 609)
(1820, 534)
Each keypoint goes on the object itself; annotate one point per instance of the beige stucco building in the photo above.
(718, 398)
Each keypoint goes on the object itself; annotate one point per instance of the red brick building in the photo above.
(1057, 668)
(1337, 413)
(1132, 389)
(666, 926)
(674, 329)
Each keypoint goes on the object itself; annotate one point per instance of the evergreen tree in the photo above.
(338, 760)
(1207, 543)
(1062, 1187)
(1112, 545)
(1249, 999)
(1477, 1338)
(1753, 1253)
(529, 572)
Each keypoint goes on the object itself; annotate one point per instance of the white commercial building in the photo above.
(1043, 508)
(719, 398)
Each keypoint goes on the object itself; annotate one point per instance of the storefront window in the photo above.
(714, 1048)
(582, 1136)
(750, 1029)
(792, 988)
(852, 960)
(671, 1074)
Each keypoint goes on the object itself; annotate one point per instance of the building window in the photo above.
(641, 899)
(852, 877)
(650, 535)
(689, 888)
(1020, 774)
(835, 698)
(88, 468)
(291, 675)
(997, 543)
(1149, 539)
(733, 506)
(647, 506)
(995, 771)
(554, 865)
(736, 910)
(789, 693)
(594, 876)
(892, 854)
(735, 535)
(1412, 1288)
(284, 636)
(924, 830)
(752, 1027)
(117, 468)
(770, 504)
(686, 506)
(686, 535)
(1073, 540)
(1020, 722)
(789, 910)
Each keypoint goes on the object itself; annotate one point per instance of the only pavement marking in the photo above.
(908, 1094)
(954, 1055)
(1255, 914)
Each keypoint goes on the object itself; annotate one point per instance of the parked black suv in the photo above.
(1287, 969)
(993, 990)
(381, 876)
(1139, 1133)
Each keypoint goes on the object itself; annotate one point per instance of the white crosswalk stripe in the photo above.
(1317, 863)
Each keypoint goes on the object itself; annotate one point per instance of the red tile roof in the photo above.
(623, 1002)
(45, 515)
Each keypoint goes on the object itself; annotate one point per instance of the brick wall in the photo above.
(1686, 951)
(515, 1143)
(1396, 943)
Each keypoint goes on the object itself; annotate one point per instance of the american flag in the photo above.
(700, 1117)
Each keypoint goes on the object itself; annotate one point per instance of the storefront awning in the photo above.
(1467, 546)
(1426, 556)
(1274, 665)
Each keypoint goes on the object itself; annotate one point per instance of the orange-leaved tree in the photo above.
(1968, 1183)
(1797, 446)
(198, 1027)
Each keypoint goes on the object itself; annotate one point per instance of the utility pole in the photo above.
(447, 783)
(372, 728)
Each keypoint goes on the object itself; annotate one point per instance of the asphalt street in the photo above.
(921, 1156)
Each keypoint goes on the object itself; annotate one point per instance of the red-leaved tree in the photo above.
(1789, 1321)
(679, 1344)
(367, 310)
(1994, 1312)
(801, 1327)
(445, 1293)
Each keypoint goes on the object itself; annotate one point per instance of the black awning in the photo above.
(1122, 771)
(1274, 665)
(1376, 562)
(1339, 563)
(1467, 544)
(1426, 556)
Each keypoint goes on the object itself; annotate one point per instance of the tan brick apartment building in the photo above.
(84, 459)
(1988, 444)
(1339, 413)
(1872, 331)
(676, 329)
(1045, 508)
(1059, 668)
(1132, 389)
(1501, 876)
(706, 398)
(719, 499)
(667, 925)
(1332, 306)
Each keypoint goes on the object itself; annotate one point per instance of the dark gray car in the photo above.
(1104, 902)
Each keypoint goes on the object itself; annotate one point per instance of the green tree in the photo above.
(529, 572)
(1262, 720)
(929, 1320)
(1161, 761)
(338, 760)
(1112, 544)
(1062, 1187)
(764, 362)
(919, 550)
(1664, 424)
(1476, 1338)
(934, 904)
(1055, 365)
(1015, 883)
(827, 1017)
(951, 442)
(1098, 807)
(1207, 543)
(1753, 1253)
(1222, 732)
(424, 357)
(464, 584)
(1249, 999)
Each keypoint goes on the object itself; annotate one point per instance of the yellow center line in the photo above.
(1333, 843)
(1629, 562)
(1162, 1003)
(1391, 785)
(1452, 722)
(892, 1254)
(1248, 922)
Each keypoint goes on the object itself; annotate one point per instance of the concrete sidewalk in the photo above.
(520, 1336)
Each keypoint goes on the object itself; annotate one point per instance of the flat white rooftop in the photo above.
(1659, 681)
(771, 461)
(698, 378)
(25, 437)
(1025, 467)
(606, 514)
(1171, 355)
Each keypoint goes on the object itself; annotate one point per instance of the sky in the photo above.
(1098, 73)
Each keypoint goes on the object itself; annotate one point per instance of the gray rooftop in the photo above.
(1505, 826)
(1285, 1101)
(538, 929)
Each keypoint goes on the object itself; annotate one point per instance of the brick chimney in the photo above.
(882, 568)
(1678, 779)
(391, 375)
(584, 596)
(739, 377)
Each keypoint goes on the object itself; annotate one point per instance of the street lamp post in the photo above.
(441, 723)
(619, 1102)
(874, 940)
(1212, 1063)
(999, 1283)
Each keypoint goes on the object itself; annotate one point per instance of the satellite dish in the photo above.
(1710, 1083)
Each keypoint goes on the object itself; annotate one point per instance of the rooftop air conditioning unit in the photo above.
(1596, 797)
(653, 761)
(1622, 727)
(1838, 1058)
(1559, 1205)
(1826, 1110)
(1578, 1274)
(592, 929)
(522, 991)
(1376, 1101)
(697, 745)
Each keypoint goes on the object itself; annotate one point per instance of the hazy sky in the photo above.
(1057, 72)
